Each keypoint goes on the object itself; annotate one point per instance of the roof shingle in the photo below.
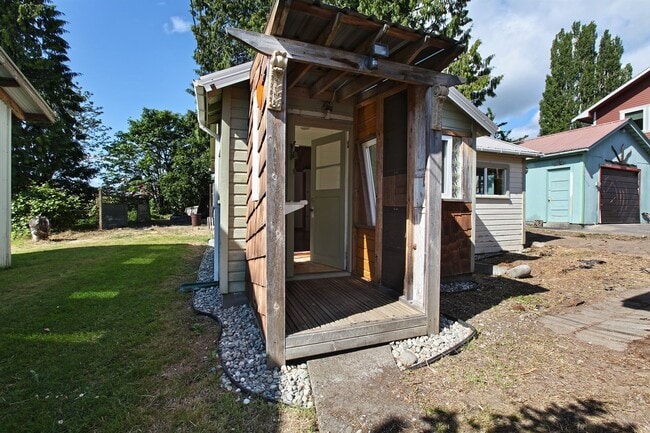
(574, 140)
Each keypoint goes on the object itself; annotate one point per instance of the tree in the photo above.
(503, 134)
(31, 32)
(216, 51)
(164, 153)
(580, 74)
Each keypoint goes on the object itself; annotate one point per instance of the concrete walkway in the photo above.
(361, 392)
(613, 323)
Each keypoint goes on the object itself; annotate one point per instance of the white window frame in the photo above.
(644, 109)
(370, 178)
(506, 179)
(447, 168)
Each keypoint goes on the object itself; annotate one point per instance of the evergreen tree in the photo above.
(216, 51)
(580, 75)
(31, 32)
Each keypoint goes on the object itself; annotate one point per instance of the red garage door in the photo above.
(619, 195)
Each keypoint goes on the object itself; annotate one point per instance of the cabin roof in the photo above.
(493, 145)
(320, 25)
(583, 139)
(20, 95)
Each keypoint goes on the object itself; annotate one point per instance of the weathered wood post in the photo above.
(276, 118)
(436, 97)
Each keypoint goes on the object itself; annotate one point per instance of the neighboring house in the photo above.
(630, 101)
(18, 98)
(500, 187)
(335, 171)
(593, 175)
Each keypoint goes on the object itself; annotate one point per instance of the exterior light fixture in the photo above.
(377, 51)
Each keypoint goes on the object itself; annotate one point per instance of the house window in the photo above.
(452, 163)
(370, 163)
(640, 116)
(491, 181)
(637, 117)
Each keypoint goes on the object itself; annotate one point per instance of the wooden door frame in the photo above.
(296, 120)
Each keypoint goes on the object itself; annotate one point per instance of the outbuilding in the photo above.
(342, 195)
(593, 175)
(18, 99)
(500, 190)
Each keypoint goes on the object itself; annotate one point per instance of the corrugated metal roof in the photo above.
(587, 114)
(25, 101)
(493, 145)
(576, 140)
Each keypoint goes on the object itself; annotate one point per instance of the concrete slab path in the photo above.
(613, 323)
(361, 392)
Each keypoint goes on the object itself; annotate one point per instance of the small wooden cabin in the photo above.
(344, 165)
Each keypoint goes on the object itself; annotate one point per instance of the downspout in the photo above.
(199, 91)
(583, 181)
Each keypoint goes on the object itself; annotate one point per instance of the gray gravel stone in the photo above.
(243, 355)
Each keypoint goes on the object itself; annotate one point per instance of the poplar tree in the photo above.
(580, 75)
(216, 51)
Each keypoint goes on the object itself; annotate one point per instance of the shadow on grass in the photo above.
(579, 416)
(492, 291)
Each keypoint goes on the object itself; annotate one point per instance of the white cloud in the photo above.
(177, 25)
(520, 34)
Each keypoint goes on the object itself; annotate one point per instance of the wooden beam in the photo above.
(8, 82)
(342, 60)
(15, 108)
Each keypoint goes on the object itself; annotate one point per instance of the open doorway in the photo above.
(319, 178)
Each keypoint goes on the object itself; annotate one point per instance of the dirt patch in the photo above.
(520, 376)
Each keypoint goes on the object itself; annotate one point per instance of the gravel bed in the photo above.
(458, 286)
(243, 356)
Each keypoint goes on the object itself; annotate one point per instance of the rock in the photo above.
(39, 227)
(521, 271)
(407, 358)
(538, 244)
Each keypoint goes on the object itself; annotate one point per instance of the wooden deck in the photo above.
(332, 314)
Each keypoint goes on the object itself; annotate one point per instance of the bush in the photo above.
(61, 208)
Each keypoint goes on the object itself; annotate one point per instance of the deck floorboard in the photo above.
(330, 303)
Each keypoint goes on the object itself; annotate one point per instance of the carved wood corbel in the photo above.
(278, 66)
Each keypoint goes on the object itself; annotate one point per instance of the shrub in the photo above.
(61, 208)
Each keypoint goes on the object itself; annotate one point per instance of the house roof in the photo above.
(493, 145)
(587, 115)
(208, 89)
(18, 93)
(582, 139)
(472, 111)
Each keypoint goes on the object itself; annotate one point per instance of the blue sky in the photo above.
(138, 53)
(131, 54)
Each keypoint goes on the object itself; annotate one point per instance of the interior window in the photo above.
(370, 162)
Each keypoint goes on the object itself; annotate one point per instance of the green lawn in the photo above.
(94, 336)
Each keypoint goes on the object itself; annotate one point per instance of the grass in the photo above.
(95, 337)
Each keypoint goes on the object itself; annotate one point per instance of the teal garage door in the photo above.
(558, 195)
